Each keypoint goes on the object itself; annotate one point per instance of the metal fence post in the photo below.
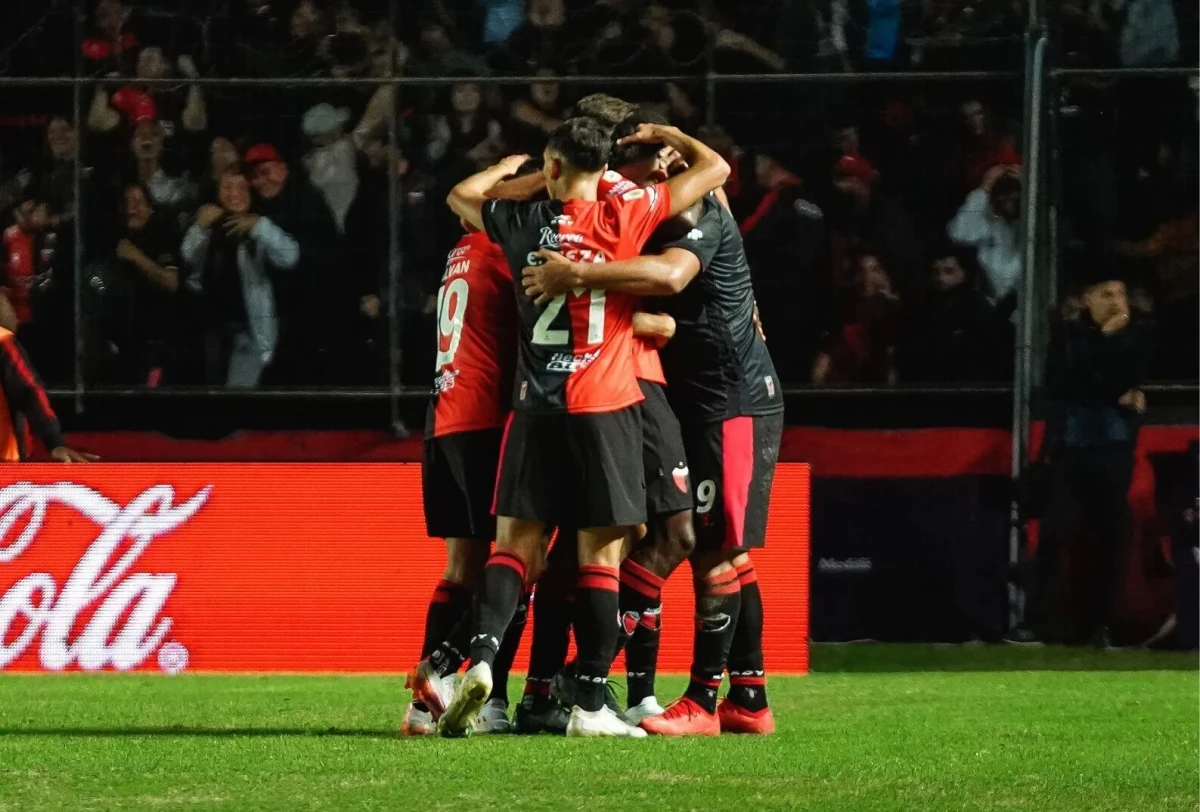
(77, 223)
(1036, 45)
(395, 254)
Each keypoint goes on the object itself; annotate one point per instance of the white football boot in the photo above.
(601, 723)
(417, 722)
(493, 718)
(473, 691)
(648, 707)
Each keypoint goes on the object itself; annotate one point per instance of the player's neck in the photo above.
(582, 187)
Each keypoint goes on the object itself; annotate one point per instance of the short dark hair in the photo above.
(635, 153)
(604, 108)
(528, 168)
(584, 143)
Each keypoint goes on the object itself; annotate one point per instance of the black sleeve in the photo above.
(705, 239)
(26, 395)
(502, 218)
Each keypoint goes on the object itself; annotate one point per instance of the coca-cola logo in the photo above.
(36, 603)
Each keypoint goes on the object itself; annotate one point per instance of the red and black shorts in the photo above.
(668, 483)
(458, 476)
(733, 467)
(573, 470)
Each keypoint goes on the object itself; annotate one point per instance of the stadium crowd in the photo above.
(240, 234)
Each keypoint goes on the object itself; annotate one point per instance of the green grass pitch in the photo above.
(874, 728)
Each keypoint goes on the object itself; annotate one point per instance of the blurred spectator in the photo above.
(955, 335)
(980, 149)
(1171, 258)
(535, 115)
(543, 40)
(1097, 365)
(331, 163)
(862, 218)
(40, 294)
(316, 292)
(23, 242)
(232, 255)
(58, 177)
(178, 112)
(1150, 35)
(988, 221)
(861, 346)
(784, 234)
(140, 302)
(173, 195)
(368, 250)
(466, 138)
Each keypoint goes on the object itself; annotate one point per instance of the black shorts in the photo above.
(668, 485)
(458, 478)
(573, 470)
(733, 466)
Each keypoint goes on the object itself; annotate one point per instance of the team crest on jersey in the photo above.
(445, 381)
(562, 220)
(680, 477)
(695, 234)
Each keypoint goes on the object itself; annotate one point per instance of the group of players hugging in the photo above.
(604, 409)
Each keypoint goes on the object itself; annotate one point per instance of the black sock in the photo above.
(641, 656)
(596, 631)
(640, 607)
(747, 678)
(508, 648)
(503, 578)
(718, 599)
(553, 608)
(449, 655)
(449, 603)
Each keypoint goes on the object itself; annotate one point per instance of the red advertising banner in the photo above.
(277, 568)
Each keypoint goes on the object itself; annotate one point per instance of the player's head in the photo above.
(641, 163)
(604, 108)
(32, 212)
(578, 148)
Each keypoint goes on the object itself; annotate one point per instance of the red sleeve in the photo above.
(640, 212)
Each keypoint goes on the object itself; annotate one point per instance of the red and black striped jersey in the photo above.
(576, 353)
(476, 340)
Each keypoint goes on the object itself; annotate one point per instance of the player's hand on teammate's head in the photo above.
(554, 276)
(512, 163)
(646, 134)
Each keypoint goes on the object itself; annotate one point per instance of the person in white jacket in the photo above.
(242, 305)
(989, 222)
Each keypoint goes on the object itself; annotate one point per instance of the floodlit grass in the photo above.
(877, 728)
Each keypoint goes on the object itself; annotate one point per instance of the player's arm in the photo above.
(467, 199)
(522, 188)
(662, 274)
(656, 327)
(706, 170)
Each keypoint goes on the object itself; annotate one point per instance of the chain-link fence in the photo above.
(881, 155)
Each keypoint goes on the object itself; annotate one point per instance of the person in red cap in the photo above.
(316, 288)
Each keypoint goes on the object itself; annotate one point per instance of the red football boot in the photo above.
(683, 717)
(736, 719)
